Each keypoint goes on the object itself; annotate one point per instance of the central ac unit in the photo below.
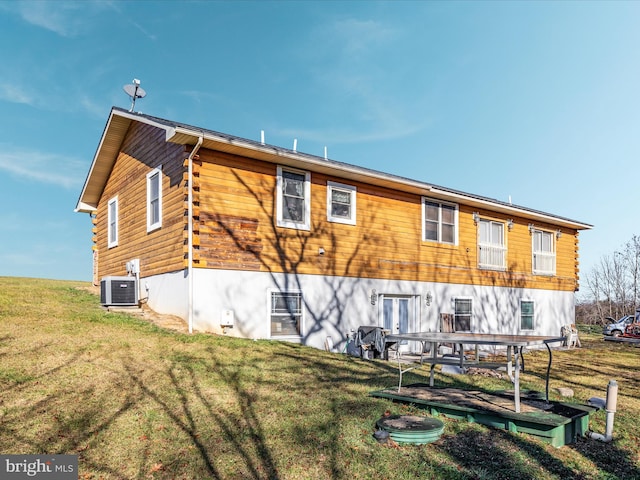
(118, 291)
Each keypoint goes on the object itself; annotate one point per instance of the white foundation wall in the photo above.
(334, 306)
(166, 293)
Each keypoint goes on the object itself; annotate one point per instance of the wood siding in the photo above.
(159, 251)
(235, 228)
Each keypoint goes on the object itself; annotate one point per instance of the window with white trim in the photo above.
(285, 313)
(439, 221)
(293, 201)
(526, 314)
(491, 249)
(112, 222)
(154, 199)
(462, 310)
(341, 203)
(543, 250)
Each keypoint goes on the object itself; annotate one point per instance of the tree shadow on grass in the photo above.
(223, 407)
(205, 419)
(490, 453)
(216, 403)
(608, 457)
(497, 454)
(242, 424)
(66, 421)
(183, 419)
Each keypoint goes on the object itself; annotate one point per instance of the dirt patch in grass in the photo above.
(169, 322)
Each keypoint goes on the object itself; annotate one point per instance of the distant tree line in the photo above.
(612, 287)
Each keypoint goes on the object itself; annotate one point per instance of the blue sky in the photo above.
(537, 101)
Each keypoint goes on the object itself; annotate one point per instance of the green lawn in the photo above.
(136, 402)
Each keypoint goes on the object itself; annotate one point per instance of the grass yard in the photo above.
(137, 402)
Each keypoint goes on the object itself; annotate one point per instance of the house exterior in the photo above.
(246, 239)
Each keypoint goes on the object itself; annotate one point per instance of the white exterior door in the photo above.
(397, 315)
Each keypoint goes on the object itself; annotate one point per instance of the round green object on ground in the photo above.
(411, 428)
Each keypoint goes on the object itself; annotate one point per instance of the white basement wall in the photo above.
(334, 306)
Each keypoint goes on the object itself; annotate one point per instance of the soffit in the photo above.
(103, 161)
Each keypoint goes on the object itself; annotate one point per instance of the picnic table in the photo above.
(514, 344)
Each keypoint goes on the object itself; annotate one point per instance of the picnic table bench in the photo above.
(514, 344)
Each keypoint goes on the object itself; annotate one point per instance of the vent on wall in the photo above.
(118, 291)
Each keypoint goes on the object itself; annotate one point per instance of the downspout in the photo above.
(190, 233)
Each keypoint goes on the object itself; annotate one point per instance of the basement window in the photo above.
(526, 314)
(463, 308)
(285, 313)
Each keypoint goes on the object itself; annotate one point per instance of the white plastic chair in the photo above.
(570, 333)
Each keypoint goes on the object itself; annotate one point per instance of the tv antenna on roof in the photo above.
(134, 90)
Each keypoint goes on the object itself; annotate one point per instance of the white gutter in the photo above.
(497, 206)
(190, 233)
(270, 153)
(185, 135)
(281, 155)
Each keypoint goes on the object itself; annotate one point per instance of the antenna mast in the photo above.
(134, 90)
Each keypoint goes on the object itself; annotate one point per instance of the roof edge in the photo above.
(176, 132)
(85, 204)
(504, 207)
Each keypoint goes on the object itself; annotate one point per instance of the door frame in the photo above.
(413, 320)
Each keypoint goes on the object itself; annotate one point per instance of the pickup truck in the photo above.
(616, 328)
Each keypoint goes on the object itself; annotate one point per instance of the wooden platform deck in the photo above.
(632, 340)
(473, 398)
(557, 423)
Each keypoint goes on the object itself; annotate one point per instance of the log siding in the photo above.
(161, 250)
(238, 231)
(235, 226)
